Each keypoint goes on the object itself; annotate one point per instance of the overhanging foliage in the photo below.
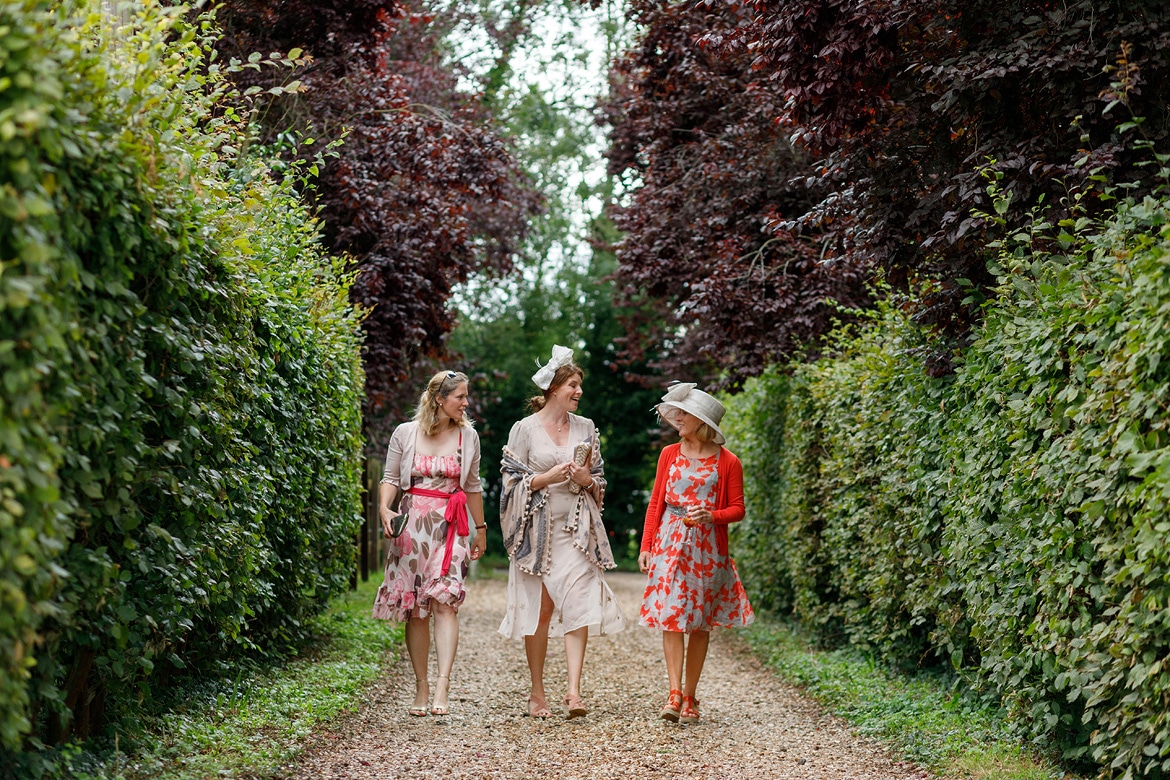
(424, 193)
(779, 151)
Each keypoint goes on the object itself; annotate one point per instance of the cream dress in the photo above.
(577, 587)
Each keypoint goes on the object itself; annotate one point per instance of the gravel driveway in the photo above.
(753, 726)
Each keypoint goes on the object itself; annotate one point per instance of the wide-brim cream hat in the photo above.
(689, 398)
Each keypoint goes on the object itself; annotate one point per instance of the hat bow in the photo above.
(561, 356)
(678, 392)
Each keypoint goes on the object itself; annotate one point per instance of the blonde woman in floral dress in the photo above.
(693, 585)
(433, 463)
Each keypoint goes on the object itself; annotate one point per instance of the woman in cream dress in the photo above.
(550, 512)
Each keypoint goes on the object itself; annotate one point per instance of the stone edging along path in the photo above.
(753, 725)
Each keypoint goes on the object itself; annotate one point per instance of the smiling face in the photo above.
(690, 427)
(453, 404)
(567, 395)
(686, 424)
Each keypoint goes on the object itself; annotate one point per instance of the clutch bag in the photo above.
(398, 524)
(580, 456)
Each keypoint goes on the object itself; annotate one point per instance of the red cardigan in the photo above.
(728, 497)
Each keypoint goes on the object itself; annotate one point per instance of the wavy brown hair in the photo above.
(537, 402)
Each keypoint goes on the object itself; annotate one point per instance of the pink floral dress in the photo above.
(691, 586)
(414, 563)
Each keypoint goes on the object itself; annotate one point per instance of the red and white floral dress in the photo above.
(692, 586)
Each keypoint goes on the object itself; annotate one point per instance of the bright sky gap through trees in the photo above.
(562, 63)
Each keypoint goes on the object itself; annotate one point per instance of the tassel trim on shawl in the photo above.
(527, 527)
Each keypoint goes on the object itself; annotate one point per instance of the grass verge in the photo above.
(249, 726)
(920, 716)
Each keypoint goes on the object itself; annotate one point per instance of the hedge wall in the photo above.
(180, 402)
(1010, 519)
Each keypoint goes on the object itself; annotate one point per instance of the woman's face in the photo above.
(453, 404)
(686, 423)
(568, 394)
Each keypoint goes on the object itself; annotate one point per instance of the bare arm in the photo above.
(475, 509)
(386, 495)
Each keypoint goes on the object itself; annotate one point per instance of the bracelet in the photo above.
(592, 484)
(481, 527)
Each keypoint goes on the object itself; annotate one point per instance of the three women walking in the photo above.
(551, 498)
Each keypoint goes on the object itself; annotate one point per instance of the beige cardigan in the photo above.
(400, 457)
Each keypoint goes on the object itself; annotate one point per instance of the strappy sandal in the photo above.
(419, 710)
(576, 707)
(445, 709)
(538, 708)
(689, 712)
(671, 708)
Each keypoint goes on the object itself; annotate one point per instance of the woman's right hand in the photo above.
(386, 514)
(558, 473)
(644, 562)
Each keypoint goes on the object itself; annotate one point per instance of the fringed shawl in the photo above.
(527, 526)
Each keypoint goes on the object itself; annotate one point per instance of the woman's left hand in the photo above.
(697, 513)
(479, 546)
(580, 475)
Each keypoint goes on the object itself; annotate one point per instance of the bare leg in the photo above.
(446, 643)
(536, 649)
(673, 645)
(696, 655)
(575, 641)
(418, 646)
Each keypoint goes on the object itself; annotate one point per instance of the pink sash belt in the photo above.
(456, 517)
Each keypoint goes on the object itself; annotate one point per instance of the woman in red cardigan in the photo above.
(693, 585)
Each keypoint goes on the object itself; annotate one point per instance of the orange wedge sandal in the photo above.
(671, 708)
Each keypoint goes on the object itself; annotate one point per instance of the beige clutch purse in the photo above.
(580, 458)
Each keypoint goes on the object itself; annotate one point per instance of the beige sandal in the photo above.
(443, 709)
(576, 707)
(538, 708)
(419, 710)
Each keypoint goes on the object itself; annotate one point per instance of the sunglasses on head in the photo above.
(451, 375)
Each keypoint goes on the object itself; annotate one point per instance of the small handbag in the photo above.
(398, 524)
(580, 456)
(398, 521)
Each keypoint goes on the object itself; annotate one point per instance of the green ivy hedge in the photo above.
(1010, 519)
(180, 401)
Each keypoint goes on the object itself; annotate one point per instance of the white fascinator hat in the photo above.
(687, 396)
(561, 356)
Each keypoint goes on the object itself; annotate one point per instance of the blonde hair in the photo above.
(704, 433)
(441, 385)
(563, 374)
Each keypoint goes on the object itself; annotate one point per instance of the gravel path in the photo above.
(753, 726)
